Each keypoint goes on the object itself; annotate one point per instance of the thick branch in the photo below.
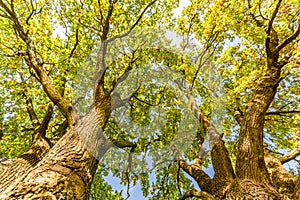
(198, 194)
(280, 177)
(221, 160)
(250, 159)
(195, 171)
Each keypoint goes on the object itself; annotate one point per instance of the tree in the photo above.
(251, 47)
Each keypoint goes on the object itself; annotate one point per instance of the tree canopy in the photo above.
(152, 93)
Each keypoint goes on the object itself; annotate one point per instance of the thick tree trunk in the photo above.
(250, 160)
(11, 170)
(67, 170)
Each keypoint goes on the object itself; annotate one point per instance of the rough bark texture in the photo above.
(281, 179)
(67, 170)
(250, 159)
(296, 194)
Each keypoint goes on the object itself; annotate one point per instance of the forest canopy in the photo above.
(180, 99)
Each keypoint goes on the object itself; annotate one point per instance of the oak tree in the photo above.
(91, 88)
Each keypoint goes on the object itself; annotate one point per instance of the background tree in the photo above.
(253, 45)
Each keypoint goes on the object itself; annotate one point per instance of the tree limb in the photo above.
(35, 62)
(194, 170)
(47, 118)
(60, 131)
(105, 29)
(288, 40)
(100, 67)
(134, 25)
(275, 12)
(221, 160)
(269, 29)
(282, 112)
(199, 194)
(280, 177)
(32, 115)
(290, 156)
(123, 143)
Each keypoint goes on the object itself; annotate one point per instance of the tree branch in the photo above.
(220, 156)
(35, 62)
(75, 45)
(123, 143)
(100, 67)
(288, 40)
(134, 25)
(195, 171)
(290, 156)
(199, 194)
(281, 179)
(269, 29)
(32, 115)
(273, 17)
(60, 131)
(105, 29)
(282, 112)
(47, 118)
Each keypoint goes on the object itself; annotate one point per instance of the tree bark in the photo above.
(250, 158)
(67, 170)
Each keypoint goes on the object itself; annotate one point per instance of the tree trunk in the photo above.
(250, 158)
(67, 170)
